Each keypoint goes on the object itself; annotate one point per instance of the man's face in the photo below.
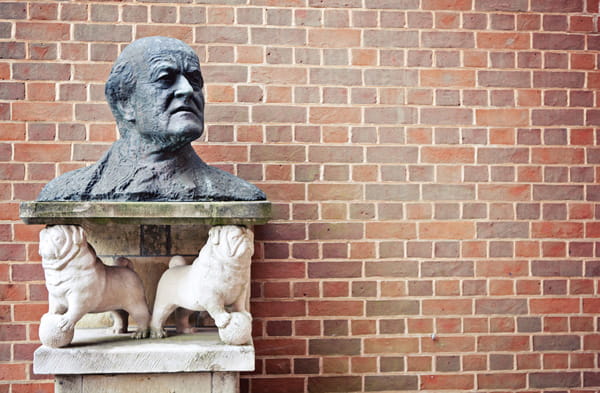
(168, 102)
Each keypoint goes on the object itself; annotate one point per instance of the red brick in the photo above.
(446, 230)
(385, 230)
(500, 268)
(391, 38)
(280, 309)
(278, 270)
(447, 307)
(42, 152)
(344, 38)
(391, 345)
(333, 115)
(102, 32)
(500, 343)
(333, 383)
(555, 230)
(448, 39)
(502, 192)
(502, 117)
(447, 382)
(278, 75)
(29, 312)
(554, 41)
(557, 155)
(549, 79)
(280, 347)
(510, 381)
(274, 36)
(42, 31)
(501, 306)
(334, 269)
(33, 387)
(554, 306)
(335, 308)
(447, 78)
(12, 372)
(447, 154)
(41, 71)
(180, 32)
(495, 40)
(451, 5)
(552, 6)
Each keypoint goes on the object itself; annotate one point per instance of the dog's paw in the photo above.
(222, 320)
(158, 333)
(141, 333)
(118, 330)
(65, 324)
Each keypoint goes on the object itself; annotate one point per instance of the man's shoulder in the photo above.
(67, 187)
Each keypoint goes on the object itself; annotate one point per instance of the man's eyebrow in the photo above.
(157, 67)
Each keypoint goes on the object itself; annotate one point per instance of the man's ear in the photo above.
(126, 110)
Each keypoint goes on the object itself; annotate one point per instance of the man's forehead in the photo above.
(178, 59)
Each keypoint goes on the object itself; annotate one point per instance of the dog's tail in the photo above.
(124, 262)
(177, 260)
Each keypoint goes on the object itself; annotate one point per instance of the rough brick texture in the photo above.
(433, 168)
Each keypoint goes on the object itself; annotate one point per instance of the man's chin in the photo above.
(174, 139)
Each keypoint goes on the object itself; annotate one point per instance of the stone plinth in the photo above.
(146, 213)
(93, 351)
(99, 363)
(148, 233)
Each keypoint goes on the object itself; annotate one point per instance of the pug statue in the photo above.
(79, 283)
(218, 280)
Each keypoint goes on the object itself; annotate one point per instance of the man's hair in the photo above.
(121, 82)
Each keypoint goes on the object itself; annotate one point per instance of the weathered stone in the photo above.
(160, 213)
(94, 352)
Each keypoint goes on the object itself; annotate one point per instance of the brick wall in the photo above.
(433, 166)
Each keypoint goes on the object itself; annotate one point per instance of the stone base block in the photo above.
(206, 382)
(97, 362)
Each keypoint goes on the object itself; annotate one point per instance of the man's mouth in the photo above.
(184, 109)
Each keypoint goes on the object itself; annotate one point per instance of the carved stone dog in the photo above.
(79, 283)
(218, 278)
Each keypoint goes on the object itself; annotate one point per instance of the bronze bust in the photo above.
(155, 93)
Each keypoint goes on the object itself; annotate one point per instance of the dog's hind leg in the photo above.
(159, 316)
(141, 316)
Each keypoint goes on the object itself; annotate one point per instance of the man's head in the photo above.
(155, 89)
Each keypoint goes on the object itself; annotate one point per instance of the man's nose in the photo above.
(183, 87)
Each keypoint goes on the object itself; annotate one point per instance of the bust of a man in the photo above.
(155, 93)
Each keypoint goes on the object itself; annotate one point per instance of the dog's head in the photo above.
(231, 241)
(59, 242)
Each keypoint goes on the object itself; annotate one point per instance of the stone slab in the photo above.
(202, 382)
(146, 213)
(93, 351)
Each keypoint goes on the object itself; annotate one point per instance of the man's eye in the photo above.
(165, 78)
(195, 79)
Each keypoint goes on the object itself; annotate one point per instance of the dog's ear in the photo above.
(214, 235)
(78, 234)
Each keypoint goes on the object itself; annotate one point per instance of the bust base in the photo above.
(96, 362)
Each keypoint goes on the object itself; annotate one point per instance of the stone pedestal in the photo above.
(148, 233)
(97, 362)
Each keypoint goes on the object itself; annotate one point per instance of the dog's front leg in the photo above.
(74, 313)
(241, 303)
(217, 311)
(55, 306)
(120, 321)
